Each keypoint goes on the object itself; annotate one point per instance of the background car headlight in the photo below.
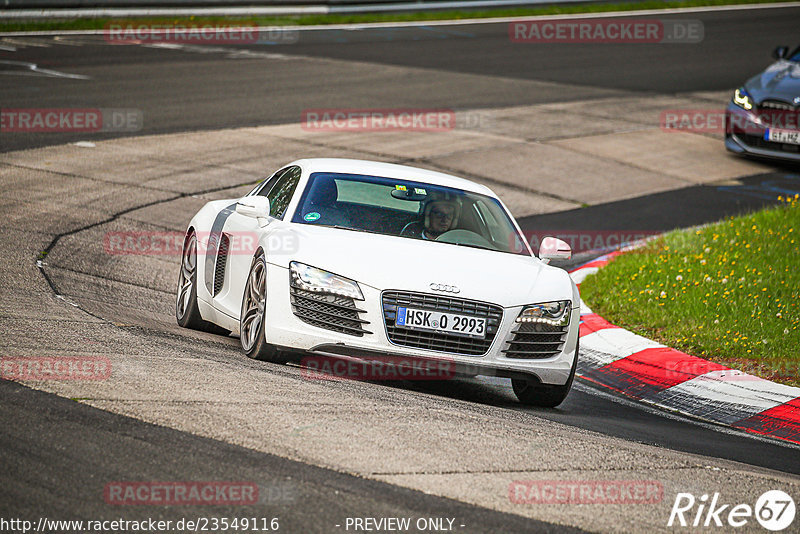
(742, 98)
(319, 281)
(555, 313)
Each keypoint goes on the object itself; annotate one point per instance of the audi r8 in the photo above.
(364, 260)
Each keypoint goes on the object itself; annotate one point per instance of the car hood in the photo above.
(388, 262)
(780, 81)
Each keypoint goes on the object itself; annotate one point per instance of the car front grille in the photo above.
(535, 341)
(440, 341)
(222, 260)
(776, 104)
(332, 312)
(758, 141)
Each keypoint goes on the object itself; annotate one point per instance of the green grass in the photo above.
(728, 292)
(305, 20)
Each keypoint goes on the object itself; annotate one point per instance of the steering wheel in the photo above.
(465, 237)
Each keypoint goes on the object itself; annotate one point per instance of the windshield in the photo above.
(408, 209)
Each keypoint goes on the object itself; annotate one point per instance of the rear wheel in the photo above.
(186, 311)
(532, 393)
(253, 315)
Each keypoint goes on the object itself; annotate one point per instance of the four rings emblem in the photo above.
(445, 288)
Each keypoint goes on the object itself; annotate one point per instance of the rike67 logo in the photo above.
(774, 510)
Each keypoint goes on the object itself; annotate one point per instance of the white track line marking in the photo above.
(612, 344)
(726, 396)
(65, 40)
(232, 53)
(38, 43)
(32, 69)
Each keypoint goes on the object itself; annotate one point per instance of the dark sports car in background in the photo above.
(762, 117)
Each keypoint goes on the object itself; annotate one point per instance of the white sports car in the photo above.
(360, 260)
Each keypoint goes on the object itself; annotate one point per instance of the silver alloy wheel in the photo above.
(187, 276)
(253, 305)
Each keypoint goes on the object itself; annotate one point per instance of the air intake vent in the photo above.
(222, 261)
(535, 341)
(758, 141)
(332, 312)
(776, 104)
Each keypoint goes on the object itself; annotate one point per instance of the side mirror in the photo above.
(255, 206)
(780, 52)
(553, 248)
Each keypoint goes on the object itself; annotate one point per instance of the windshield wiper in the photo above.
(470, 245)
(340, 227)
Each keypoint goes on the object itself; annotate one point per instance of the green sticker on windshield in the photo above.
(311, 217)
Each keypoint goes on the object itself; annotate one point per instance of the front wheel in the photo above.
(253, 314)
(532, 393)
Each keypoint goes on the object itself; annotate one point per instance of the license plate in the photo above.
(452, 323)
(791, 137)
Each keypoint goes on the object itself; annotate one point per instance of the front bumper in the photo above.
(744, 134)
(285, 329)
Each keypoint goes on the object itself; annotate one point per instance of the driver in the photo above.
(438, 215)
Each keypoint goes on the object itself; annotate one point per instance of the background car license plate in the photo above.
(465, 325)
(783, 136)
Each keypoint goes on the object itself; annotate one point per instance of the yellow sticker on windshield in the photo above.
(400, 187)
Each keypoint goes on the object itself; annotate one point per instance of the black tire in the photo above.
(532, 393)
(252, 315)
(186, 312)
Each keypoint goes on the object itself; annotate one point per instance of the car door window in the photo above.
(257, 188)
(280, 194)
(263, 188)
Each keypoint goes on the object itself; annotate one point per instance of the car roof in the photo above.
(390, 170)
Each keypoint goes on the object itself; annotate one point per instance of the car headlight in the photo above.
(555, 313)
(319, 281)
(743, 99)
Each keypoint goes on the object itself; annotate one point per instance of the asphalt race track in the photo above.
(140, 447)
(188, 406)
(459, 67)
